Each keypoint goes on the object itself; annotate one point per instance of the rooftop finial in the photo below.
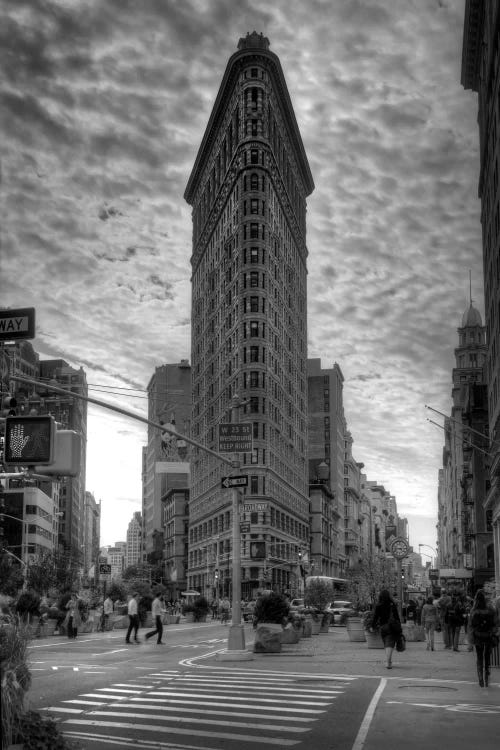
(254, 40)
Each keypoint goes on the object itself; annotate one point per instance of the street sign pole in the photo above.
(236, 639)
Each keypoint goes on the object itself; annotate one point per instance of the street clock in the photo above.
(400, 548)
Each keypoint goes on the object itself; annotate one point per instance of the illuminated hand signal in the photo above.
(18, 441)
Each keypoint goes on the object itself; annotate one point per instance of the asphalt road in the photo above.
(323, 693)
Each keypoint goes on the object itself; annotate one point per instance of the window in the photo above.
(254, 354)
(254, 156)
(254, 206)
(254, 181)
(254, 485)
(254, 379)
(254, 405)
(254, 328)
(254, 255)
(254, 279)
(254, 304)
(254, 231)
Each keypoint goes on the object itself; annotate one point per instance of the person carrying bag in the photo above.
(386, 616)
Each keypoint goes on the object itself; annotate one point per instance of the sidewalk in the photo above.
(334, 653)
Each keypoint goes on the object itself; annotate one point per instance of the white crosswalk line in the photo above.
(226, 707)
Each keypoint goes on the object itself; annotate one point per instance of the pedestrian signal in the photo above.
(29, 440)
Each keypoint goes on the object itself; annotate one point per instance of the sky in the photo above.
(104, 105)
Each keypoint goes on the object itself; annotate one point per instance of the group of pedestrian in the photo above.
(157, 611)
(449, 612)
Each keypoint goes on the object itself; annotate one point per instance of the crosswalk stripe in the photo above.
(290, 702)
(240, 714)
(261, 740)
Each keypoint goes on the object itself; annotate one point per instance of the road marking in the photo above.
(140, 703)
(477, 708)
(367, 718)
(106, 653)
(245, 738)
(136, 743)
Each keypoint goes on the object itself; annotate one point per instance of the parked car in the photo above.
(296, 605)
(340, 610)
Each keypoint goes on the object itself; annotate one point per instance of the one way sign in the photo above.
(234, 482)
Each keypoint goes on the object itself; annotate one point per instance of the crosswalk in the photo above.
(210, 708)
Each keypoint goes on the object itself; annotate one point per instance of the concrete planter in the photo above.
(121, 622)
(413, 632)
(189, 616)
(267, 638)
(374, 640)
(315, 626)
(307, 627)
(324, 624)
(290, 635)
(355, 629)
(171, 619)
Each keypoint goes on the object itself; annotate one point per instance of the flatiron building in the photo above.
(248, 191)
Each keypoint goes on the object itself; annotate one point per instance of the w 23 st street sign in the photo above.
(235, 438)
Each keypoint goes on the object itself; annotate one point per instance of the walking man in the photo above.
(157, 611)
(107, 611)
(133, 617)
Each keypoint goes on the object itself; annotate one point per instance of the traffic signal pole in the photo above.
(236, 641)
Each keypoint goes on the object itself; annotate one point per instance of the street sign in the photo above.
(227, 482)
(433, 574)
(244, 528)
(104, 568)
(235, 438)
(17, 324)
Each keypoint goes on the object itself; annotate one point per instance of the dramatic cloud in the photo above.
(104, 105)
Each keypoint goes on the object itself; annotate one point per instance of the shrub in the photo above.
(367, 618)
(271, 608)
(318, 594)
(41, 733)
(15, 677)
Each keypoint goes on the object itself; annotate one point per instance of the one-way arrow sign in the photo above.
(234, 481)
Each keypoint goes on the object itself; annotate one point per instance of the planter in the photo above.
(355, 629)
(171, 619)
(374, 640)
(189, 616)
(413, 632)
(121, 622)
(290, 635)
(316, 626)
(267, 638)
(307, 627)
(324, 624)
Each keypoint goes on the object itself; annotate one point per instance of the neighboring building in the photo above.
(34, 533)
(175, 531)
(71, 413)
(248, 191)
(352, 497)
(91, 535)
(133, 554)
(327, 435)
(116, 558)
(324, 526)
(481, 73)
(169, 402)
(461, 513)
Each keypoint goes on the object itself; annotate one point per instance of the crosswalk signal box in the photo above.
(29, 440)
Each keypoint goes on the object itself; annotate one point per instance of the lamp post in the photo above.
(432, 548)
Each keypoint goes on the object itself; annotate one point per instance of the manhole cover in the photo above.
(428, 688)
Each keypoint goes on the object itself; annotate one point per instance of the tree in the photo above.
(11, 575)
(318, 594)
(366, 579)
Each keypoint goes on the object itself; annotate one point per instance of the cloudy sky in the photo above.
(104, 104)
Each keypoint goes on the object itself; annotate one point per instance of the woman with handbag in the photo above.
(386, 616)
(484, 624)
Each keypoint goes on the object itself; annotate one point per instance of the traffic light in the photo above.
(300, 555)
(35, 442)
(9, 404)
(216, 574)
(66, 460)
(29, 440)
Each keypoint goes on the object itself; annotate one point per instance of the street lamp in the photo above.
(427, 545)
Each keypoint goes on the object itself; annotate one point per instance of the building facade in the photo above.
(327, 441)
(133, 554)
(462, 517)
(248, 191)
(91, 536)
(481, 73)
(169, 402)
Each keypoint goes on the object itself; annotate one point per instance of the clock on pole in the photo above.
(400, 547)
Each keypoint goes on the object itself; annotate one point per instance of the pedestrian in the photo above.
(429, 619)
(107, 611)
(157, 612)
(73, 619)
(443, 603)
(133, 616)
(454, 620)
(484, 624)
(386, 616)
